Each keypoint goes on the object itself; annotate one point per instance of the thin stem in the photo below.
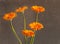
(24, 21)
(20, 42)
(26, 41)
(32, 40)
(37, 17)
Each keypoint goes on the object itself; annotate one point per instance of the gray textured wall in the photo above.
(50, 18)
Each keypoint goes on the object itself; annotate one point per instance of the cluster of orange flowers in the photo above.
(34, 25)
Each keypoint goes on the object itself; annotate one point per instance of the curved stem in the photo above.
(20, 42)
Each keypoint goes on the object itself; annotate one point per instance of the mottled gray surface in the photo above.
(50, 18)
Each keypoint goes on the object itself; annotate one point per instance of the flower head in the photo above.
(9, 16)
(36, 26)
(38, 9)
(28, 33)
(21, 9)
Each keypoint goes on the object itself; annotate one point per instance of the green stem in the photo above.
(26, 41)
(37, 17)
(32, 40)
(24, 21)
(20, 42)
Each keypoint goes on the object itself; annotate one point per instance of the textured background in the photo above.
(50, 18)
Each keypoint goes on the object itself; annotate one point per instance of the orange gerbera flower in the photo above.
(28, 33)
(21, 9)
(9, 16)
(36, 26)
(38, 8)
